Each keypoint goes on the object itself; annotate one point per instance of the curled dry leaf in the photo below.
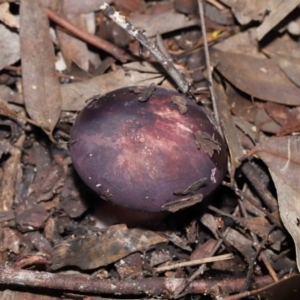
(192, 188)
(182, 203)
(281, 155)
(40, 84)
(206, 142)
(146, 93)
(181, 103)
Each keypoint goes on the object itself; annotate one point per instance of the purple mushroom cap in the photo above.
(137, 154)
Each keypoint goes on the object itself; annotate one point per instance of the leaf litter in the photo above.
(47, 218)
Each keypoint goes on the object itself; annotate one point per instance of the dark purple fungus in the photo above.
(139, 151)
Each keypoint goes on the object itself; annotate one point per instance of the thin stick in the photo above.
(85, 36)
(178, 292)
(256, 243)
(12, 278)
(207, 58)
(195, 262)
(138, 34)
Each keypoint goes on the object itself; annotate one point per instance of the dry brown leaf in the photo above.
(7, 17)
(291, 67)
(281, 114)
(289, 207)
(229, 129)
(182, 203)
(260, 78)
(211, 223)
(72, 7)
(247, 10)
(282, 45)
(9, 177)
(240, 104)
(279, 10)
(290, 127)
(286, 288)
(258, 225)
(241, 243)
(74, 95)
(41, 87)
(10, 240)
(281, 155)
(206, 142)
(265, 123)
(155, 23)
(93, 251)
(74, 49)
(9, 45)
(181, 103)
(243, 42)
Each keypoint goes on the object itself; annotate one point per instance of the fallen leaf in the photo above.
(181, 103)
(155, 23)
(192, 188)
(260, 78)
(290, 127)
(206, 142)
(7, 17)
(241, 243)
(10, 47)
(230, 131)
(244, 42)
(278, 12)
(93, 251)
(74, 49)
(10, 240)
(278, 112)
(182, 203)
(286, 288)
(41, 87)
(282, 45)
(146, 92)
(281, 155)
(248, 10)
(74, 95)
(291, 67)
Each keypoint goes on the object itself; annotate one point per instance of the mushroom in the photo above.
(141, 148)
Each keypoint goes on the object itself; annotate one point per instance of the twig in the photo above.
(217, 4)
(252, 264)
(11, 278)
(195, 262)
(201, 269)
(207, 59)
(250, 172)
(9, 175)
(90, 38)
(256, 244)
(251, 200)
(139, 35)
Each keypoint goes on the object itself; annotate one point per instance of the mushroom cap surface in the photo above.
(137, 154)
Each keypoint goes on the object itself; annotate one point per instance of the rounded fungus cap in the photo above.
(140, 154)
